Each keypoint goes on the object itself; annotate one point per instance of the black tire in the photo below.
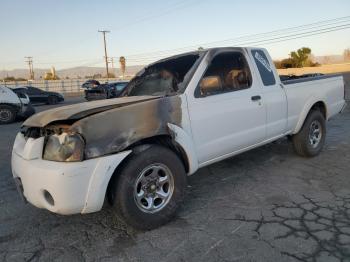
(52, 100)
(303, 144)
(29, 111)
(7, 114)
(123, 188)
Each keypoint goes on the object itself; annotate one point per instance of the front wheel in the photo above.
(52, 100)
(150, 188)
(7, 114)
(311, 138)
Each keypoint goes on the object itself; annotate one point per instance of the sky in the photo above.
(65, 33)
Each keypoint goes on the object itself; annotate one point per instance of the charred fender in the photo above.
(186, 143)
(116, 129)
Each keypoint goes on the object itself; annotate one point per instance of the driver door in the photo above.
(35, 95)
(227, 112)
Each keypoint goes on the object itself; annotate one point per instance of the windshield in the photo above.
(120, 86)
(165, 77)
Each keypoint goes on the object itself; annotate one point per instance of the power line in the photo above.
(162, 12)
(253, 36)
(296, 32)
(268, 40)
(172, 8)
(298, 35)
(30, 65)
(64, 61)
(263, 41)
(310, 34)
(302, 32)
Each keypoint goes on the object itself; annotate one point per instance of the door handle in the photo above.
(256, 98)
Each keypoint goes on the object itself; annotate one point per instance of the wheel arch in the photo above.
(319, 105)
(170, 141)
(16, 107)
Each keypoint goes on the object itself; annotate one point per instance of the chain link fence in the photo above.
(68, 87)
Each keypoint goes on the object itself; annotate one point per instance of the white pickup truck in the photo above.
(177, 115)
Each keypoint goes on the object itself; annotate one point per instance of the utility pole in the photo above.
(30, 64)
(104, 41)
(111, 60)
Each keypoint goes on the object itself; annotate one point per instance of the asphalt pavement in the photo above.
(264, 205)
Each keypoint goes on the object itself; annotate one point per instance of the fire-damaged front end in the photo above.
(103, 130)
(65, 165)
(64, 158)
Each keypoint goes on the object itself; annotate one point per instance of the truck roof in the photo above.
(206, 50)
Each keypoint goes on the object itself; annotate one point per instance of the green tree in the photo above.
(284, 63)
(300, 58)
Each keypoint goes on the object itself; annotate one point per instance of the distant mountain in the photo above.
(70, 72)
(22, 73)
(90, 71)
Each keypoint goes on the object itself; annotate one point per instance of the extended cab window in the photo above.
(227, 72)
(264, 67)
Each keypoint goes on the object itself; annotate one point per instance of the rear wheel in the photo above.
(7, 114)
(52, 100)
(150, 188)
(311, 138)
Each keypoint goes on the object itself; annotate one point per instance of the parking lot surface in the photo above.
(264, 205)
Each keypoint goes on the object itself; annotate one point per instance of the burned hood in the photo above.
(114, 130)
(82, 110)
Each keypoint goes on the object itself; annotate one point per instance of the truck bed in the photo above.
(302, 78)
(303, 92)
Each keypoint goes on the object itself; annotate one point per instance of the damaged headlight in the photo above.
(65, 147)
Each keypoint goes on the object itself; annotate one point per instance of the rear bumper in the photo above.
(95, 96)
(62, 187)
(90, 98)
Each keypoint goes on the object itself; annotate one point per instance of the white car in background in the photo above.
(13, 105)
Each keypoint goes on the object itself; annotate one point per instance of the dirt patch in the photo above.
(324, 69)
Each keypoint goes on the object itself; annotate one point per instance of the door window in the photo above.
(33, 90)
(227, 72)
(264, 67)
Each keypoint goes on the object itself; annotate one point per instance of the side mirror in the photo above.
(210, 84)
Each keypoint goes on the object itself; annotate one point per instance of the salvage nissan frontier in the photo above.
(175, 116)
